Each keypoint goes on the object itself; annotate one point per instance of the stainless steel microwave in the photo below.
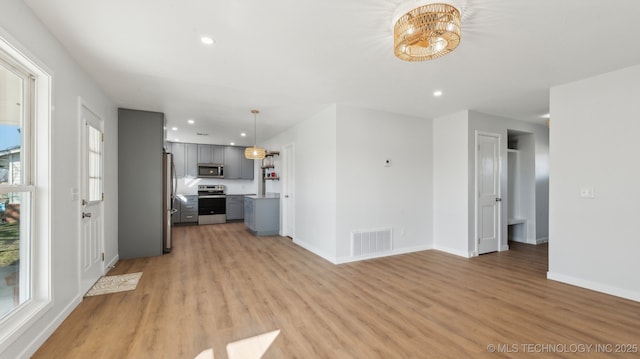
(210, 170)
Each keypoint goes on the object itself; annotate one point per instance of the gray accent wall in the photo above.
(140, 143)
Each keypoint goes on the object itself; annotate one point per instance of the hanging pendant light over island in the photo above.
(255, 152)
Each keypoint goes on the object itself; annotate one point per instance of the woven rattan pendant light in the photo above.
(254, 153)
(427, 31)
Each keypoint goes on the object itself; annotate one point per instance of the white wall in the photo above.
(371, 196)
(451, 184)
(594, 243)
(18, 23)
(315, 181)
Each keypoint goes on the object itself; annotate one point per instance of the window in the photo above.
(16, 188)
(94, 137)
(25, 214)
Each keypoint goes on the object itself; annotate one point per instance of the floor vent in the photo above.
(370, 242)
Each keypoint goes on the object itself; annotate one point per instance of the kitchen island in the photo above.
(262, 214)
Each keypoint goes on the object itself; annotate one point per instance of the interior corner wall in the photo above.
(315, 181)
(371, 196)
(500, 125)
(20, 26)
(593, 243)
(451, 184)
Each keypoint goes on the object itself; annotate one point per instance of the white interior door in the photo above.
(288, 189)
(488, 189)
(91, 233)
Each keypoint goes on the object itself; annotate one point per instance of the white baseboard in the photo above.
(35, 344)
(112, 263)
(394, 252)
(542, 240)
(598, 287)
(504, 247)
(453, 251)
(314, 250)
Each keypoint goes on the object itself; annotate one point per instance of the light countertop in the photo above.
(270, 195)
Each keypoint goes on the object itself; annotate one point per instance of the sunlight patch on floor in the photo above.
(248, 348)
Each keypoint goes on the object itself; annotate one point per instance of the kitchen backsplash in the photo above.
(189, 186)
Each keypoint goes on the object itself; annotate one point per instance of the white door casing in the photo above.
(488, 208)
(92, 222)
(288, 189)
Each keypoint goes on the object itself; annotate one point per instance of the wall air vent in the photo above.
(370, 242)
(202, 134)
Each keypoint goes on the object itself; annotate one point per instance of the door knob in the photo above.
(85, 215)
(498, 199)
(286, 196)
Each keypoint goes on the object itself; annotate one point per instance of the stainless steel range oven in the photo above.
(212, 204)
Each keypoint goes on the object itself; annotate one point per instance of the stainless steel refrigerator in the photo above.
(169, 182)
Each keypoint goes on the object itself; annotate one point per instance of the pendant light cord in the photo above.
(255, 127)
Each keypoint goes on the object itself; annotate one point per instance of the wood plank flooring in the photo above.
(221, 284)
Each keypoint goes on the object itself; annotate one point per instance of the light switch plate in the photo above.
(587, 193)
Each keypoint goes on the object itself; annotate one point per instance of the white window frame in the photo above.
(36, 155)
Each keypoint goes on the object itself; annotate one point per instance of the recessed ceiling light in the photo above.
(191, 122)
(243, 134)
(207, 40)
(174, 129)
(177, 140)
(437, 93)
(232, 143)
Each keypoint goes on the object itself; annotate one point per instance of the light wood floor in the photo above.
(221, 284)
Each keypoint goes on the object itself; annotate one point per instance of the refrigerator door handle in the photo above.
(174, 180)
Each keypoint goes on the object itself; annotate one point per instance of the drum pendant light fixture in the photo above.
(427, 31)
(254, 153)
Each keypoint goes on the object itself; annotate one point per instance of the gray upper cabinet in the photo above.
(184, 158)
(236, 166)
(191, 161)
(179, 158)
(211, 154)
(247, 168)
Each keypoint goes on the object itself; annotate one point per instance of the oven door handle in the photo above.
(212, 196)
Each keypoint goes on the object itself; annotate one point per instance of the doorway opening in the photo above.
(521, 187)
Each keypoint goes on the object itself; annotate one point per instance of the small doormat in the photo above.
(114, 284)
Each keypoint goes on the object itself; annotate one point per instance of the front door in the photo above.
(488, 190)
(91, 235)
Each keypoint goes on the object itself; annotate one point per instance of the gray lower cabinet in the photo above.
(175, 218)
(235, 207)
(187, 210)
(262, 215)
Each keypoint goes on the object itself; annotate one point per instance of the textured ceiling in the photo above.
(291, 58)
